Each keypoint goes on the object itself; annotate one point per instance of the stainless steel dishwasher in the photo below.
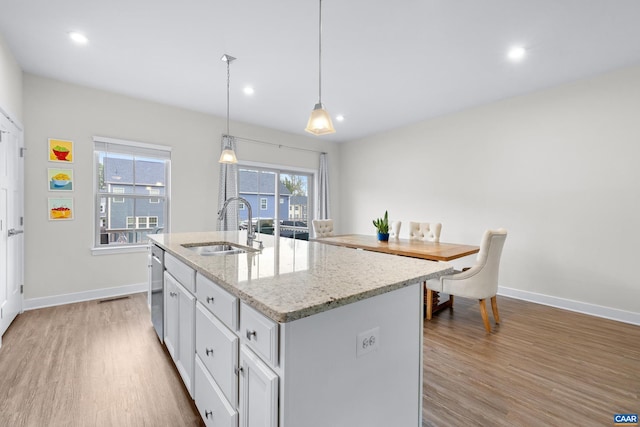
(157, 290)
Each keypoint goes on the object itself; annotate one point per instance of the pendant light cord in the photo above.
(320, 55)
(228, 90)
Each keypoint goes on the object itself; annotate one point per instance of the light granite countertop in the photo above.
(290, 279)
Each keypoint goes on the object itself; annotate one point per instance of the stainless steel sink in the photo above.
(218, 248)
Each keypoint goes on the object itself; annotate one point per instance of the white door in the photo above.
(258, 405)
(11, 222)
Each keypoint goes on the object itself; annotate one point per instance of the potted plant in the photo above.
(382, 226)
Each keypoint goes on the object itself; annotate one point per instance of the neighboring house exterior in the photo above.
(298, 208)
(120, 213)
(258, 187)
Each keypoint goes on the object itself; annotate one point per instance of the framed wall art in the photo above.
(60, 208)
(60, 150)
(60, 179)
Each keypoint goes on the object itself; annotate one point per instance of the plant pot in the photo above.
(383, 237)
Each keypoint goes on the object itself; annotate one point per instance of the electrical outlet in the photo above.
(367, 341)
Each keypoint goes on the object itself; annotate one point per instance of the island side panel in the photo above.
(325, 383)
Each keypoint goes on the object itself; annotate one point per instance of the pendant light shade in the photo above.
(320, 121)
(228, 156)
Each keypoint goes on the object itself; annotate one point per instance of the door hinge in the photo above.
(22, 150)
(22, 289)
(21, 220)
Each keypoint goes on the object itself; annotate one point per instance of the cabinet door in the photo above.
(186, 336)
(258, 405)
(171, 318)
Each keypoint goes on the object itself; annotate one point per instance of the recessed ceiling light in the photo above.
(517, 53)
(340, 118)
(78, 38)
(248, 90)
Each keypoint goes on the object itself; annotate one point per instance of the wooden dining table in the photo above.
(433, 251)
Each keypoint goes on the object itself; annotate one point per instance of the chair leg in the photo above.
(494, 307)
(485, 315)
(429, 303)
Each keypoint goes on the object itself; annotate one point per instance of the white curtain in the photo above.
(324, 210)
(228, 188)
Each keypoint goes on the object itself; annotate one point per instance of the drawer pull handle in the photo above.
(250, 334)
(209, 351)
(208, 414)
(210, 299)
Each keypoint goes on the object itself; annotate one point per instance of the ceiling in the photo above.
(385, 64)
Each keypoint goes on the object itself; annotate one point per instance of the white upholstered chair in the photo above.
(394, 229)
(429, 231)
(479, 282)
(323, 227)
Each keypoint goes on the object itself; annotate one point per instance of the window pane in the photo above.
(130, 221)
(261, 187)
(296, 206)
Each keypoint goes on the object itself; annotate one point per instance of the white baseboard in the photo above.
(34, 303)
(571, 305)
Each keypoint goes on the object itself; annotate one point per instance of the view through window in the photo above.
(132, 192)
(280, 201)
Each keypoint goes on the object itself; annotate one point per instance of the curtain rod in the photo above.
(274, 144)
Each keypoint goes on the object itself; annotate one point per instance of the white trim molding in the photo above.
(571, 305)
(34, 303)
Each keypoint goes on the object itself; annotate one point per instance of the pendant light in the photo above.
(320, 120)
(228, 156)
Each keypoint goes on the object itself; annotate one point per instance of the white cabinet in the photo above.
(258, 404)
(224, 378)
(260, 333)
(214, 409)
(171, 316)
(186, 337)
(217, 347)
(180, 328)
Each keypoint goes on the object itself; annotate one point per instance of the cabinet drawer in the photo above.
(213, 407)
(218, 301)
(260, 333)
(217, 347)
(182, 272)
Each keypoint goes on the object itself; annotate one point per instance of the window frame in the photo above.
(136, 149)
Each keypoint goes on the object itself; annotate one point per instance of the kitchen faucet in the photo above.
(251, 235)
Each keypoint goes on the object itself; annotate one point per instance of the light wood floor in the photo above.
(540, 367)
(91, 364)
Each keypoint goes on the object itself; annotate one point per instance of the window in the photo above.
(289, 192)
(118, 190)
(241, 206)
(153, 192)
(142, 222)
(138, 174)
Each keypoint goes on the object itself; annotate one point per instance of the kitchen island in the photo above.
(298, 333)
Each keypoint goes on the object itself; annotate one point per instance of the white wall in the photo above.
(58, 256)
(10, 82)
(558, 168)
